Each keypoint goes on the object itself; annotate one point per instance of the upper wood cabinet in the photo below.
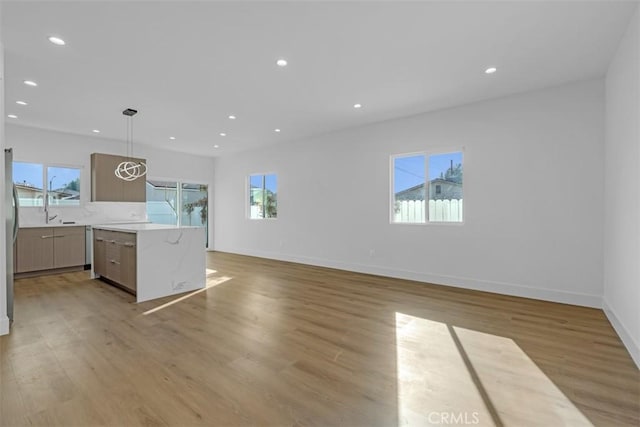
(107, 187)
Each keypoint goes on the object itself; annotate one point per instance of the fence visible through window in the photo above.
(427, 188)
(413, 211)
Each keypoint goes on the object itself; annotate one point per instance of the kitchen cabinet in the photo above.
(99, 262)
(107, 187)
(49, 248)
(128, 265)
(34, 249)
(150, 260)
(68, 247)
(114, 257)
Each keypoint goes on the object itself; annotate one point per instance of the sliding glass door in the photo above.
(161, 202)
(194, 204)
(163, 206)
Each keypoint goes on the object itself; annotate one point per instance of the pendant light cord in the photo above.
(129, 170)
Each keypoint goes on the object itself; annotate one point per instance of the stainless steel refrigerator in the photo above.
(11, 204)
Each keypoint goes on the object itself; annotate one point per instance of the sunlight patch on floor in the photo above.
(211, 282)
(454, 376)
(433, 382)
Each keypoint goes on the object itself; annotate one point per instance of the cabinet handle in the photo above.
(46, 237)
(111, 241)
(129, 245)
(63, 235)
(99, 239)
(113, 261)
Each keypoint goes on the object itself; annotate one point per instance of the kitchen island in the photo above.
(150, 260)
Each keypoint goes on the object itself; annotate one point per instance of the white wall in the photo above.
(4, 320)
(622, 190)
(43, 146)
(539, 153)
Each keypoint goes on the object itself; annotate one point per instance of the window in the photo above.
(162, 198)
(178, 203)
(427, 188)
(64, 186)
(194, 207)
(263, 196)
(408, 188)
(35, 181)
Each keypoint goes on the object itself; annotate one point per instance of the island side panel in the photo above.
(170, 262)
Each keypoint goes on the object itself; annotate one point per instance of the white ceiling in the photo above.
(187, 65)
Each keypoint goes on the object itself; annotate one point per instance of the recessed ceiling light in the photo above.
(12, 116)
(281, 62)
(357, 105)
(216, 146)
(276, 130)
(21, 103)
(57, 40)
(30, 83)
(232, 117)
(223, 134)
(95, 131)
(172, 138)
(490, 70)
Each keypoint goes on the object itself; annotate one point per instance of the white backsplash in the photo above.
(87, 214)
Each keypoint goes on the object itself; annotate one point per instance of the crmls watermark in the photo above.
(454, 418)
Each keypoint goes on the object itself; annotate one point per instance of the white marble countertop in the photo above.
(79, 224)
(56, 224)
(168, 259)
(135, 228)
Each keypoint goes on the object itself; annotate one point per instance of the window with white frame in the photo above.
(427, 188)
(178, 203)
(34, 182)
(263, 196)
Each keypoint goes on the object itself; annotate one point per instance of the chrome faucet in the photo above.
(48, 218)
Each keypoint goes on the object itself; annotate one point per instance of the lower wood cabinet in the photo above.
(99, 262)
(34, 249)
(69, 245)
(114, 257)
(48, 248)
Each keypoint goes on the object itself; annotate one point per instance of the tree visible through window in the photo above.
(427, 188)
(35, 181)
(263, 196)
(178, 203)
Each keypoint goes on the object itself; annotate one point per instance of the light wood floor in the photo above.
(273, 343)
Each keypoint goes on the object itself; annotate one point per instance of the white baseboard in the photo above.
(585, 300)
(4, 325)
(632, 346)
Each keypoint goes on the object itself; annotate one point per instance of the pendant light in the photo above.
(130, 170)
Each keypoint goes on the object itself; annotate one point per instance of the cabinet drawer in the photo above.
(115, 257)
(127, 239)
(36, 233)
(113, 262)
(68, 231)
(101, 235)
(99, 253)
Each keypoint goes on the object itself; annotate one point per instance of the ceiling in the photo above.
(187, 66)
